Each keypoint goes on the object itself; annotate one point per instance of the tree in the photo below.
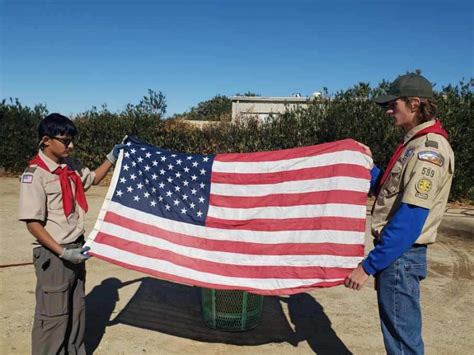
(153, 104)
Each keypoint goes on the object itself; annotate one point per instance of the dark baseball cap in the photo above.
(408, 85)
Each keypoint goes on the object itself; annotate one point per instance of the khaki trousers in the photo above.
(59, 321)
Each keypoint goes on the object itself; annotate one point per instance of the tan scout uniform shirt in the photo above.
(422, 176)
(41, 199)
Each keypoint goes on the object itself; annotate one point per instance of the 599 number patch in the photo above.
(428, 172)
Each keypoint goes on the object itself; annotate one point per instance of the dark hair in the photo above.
(56, 124)
(428, 110)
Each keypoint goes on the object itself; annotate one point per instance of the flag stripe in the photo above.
(223, 257)
(287, 224)
(251, 271)
(170, 268)
(292, 187)
(276, 213)
(348, 170)
(230, 246)
(213, 285)
(299, 152)
(267, 237)
(308, 198)
(334, 158)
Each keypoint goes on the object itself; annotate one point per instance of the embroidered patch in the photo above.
(27, 179)
(432, 157)
(423, 196)
(424, 185)
(407, 155)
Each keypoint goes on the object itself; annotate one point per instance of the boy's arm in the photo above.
(44, 238)
(101, 171)
(76, 256)
(104, 168)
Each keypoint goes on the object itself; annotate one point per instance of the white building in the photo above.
(262, 107)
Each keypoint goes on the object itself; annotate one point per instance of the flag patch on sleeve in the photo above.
(27, 179)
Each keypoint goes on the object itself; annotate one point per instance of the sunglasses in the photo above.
(389, 105)
(65, 141)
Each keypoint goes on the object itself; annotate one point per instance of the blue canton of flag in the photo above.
(164, 183)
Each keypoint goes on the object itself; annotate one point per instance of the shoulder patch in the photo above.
(432, 157)
(432, 144)
(27, 178)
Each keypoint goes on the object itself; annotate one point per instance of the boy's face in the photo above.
(58, 146)
(402, 113)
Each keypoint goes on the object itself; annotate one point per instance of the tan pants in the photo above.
(59, 322)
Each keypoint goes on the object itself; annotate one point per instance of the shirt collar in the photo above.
(52, 165)
(417, 129)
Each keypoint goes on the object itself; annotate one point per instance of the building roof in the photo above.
(270, 98)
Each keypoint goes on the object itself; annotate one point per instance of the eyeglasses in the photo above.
(65, 141)
(390, 105)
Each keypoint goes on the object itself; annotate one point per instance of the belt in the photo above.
(79, 240)
(418, 245)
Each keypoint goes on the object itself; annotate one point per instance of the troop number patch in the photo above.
(424, 185)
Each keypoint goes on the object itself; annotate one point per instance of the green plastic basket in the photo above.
(230, 310)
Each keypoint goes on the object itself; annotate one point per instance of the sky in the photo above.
(72, 55)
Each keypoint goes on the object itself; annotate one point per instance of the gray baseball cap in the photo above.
(408, 85)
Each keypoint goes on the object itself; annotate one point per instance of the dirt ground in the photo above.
(130, 313)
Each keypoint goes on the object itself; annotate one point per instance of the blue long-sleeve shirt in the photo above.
(399, 234)
(375, 176)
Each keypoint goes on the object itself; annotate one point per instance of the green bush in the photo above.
(18, 133)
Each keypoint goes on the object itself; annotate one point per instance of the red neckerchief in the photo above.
(436, 128)
(65, 175)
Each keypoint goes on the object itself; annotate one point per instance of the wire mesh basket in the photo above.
(230, 310)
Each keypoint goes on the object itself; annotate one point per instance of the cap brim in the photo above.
(383, 99)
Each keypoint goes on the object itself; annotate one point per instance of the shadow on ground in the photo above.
(175, 309)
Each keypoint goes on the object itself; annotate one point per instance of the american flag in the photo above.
(277, 222)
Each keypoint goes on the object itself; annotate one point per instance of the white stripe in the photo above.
(292, 187)
(170, 268)
(340, 157)
(303, 211)
(266, 237)
(227, 257)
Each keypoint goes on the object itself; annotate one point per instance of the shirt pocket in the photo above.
(54, 195)
(393, 185)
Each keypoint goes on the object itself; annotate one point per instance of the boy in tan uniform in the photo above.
(411, 199)
(53, 205)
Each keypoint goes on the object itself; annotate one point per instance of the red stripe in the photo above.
(346, 144)
(251, 248)
(229, 270)
(320, 172)
(187, 281)
(308, 198)
(288, 224)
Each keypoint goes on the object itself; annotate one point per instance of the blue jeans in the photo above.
(398, 295)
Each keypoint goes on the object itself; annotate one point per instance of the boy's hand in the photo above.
(356, 279)
(75, 256)
(114, 153)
